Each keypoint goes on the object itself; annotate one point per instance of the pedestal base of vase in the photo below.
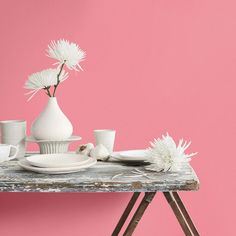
(51, 147)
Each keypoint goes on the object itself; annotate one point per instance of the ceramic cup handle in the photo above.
(16, 152)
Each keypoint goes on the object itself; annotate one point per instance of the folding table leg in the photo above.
(185, 213)
(126, 214)
(139, 213)
(181, 213)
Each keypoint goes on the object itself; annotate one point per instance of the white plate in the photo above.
(70, 139)
(60, 170)
(57, 160)
(131, 155)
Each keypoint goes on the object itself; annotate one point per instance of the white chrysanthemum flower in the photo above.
(44, 79)
(66, 52)
(166, 155)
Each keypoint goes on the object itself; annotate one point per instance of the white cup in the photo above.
(13, 128)
(14, 132)
(5, 150)
(105, 137)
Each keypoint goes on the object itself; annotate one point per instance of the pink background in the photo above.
(151, 67)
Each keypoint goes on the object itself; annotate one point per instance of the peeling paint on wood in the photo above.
(96, 179)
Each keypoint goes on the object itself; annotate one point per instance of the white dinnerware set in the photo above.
(54, 157)
(104, 149)
(57, 163)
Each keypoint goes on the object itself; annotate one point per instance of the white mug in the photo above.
(14, 132)
(5, 150)
(13, 128)
(105, 137)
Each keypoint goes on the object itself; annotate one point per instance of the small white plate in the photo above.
(70, 139)
(61, 170)
(131, 155)
(57, 160)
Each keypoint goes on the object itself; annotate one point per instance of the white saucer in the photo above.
(70, 139)
(131, 155)
(60, 170)
(57, 160)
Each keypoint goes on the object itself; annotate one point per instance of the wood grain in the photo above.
(96, 179)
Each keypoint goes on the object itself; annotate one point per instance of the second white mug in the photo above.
(105, 137)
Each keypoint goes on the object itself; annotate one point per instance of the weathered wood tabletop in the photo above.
(98, 178)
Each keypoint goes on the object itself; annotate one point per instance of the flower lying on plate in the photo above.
(44, 80)
(166, 155)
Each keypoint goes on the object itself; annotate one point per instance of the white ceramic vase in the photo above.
(52, 124)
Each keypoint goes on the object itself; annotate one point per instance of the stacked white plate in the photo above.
(131, 156)
(57, 163)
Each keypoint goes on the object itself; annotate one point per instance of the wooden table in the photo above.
(99, 178)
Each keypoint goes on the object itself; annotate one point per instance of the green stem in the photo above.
(58, 79)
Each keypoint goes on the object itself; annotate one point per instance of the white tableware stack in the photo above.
(57, 163)
(103, 149)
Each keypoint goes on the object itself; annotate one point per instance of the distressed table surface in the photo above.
(98, 178)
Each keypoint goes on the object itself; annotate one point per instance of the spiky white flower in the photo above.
(65, 52)
(166, 155)
(43, 79)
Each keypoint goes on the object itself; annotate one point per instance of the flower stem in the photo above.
(58, 79)
(48, 91)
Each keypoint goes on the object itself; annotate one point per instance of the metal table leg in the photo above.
(139, 213)
(125, 214)
(181, 213)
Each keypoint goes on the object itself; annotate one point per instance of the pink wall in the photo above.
(152, 67)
